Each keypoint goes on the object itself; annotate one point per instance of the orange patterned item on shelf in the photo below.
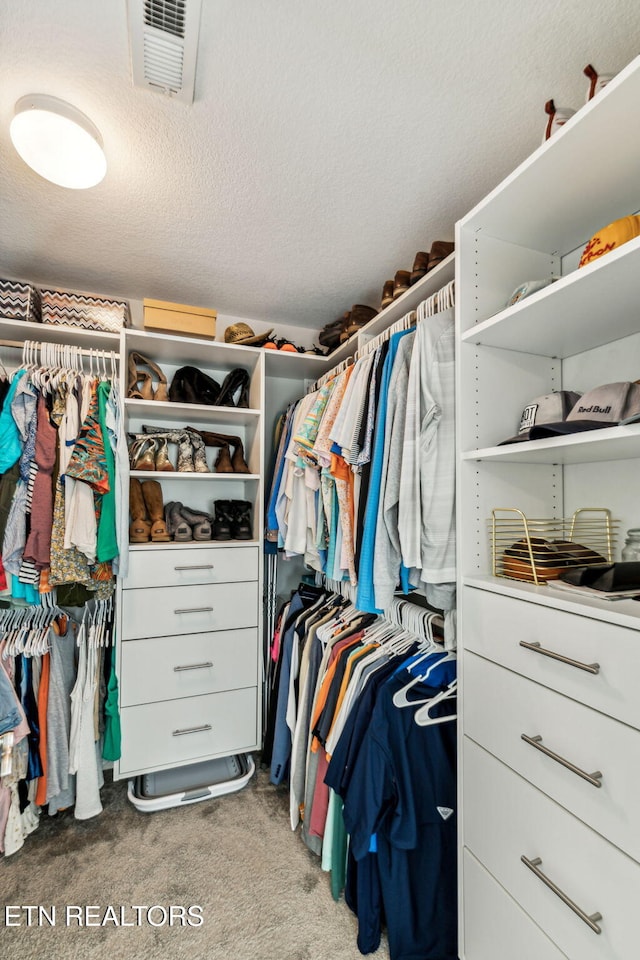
(610, 237)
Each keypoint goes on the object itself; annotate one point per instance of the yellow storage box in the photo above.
(179, 318)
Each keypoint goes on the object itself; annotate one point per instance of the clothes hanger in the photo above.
(400, 696)
(423, 715)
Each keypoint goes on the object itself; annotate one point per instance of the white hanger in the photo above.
(423, 716)
(400, 696)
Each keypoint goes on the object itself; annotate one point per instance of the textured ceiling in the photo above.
(326, 144)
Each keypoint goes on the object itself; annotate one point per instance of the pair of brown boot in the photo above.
(147, 512)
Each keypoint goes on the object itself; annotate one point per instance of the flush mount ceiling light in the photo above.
(58, 142)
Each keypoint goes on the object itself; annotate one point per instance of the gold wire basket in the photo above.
(537, 550)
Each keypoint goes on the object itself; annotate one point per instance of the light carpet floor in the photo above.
(262, 894)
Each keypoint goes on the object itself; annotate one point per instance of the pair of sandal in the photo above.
(184, 524)
(140, 382)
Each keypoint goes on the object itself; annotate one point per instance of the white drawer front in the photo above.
(506, 818)
(174, 566)
(170, 611)
(158, 735)
(494, 627)
(495, 927)
(167, 668)
(499, 706)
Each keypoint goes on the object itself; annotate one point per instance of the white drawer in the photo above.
(158, 735)
(499, 706)
(167, 668)
(495, 927)
(173, 566)
(506, 818)
(494, 626)
(170, 611)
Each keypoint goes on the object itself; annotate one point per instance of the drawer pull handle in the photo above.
(590, 920)
(595, 779)
(193, 666)
(201, 729)
(195, 610)
(536, 648)
(196, 566)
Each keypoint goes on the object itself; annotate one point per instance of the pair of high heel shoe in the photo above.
(140, 382)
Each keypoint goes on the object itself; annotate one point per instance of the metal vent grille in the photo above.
(163, 36)
(165, 15)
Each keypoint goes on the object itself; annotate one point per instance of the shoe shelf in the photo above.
(191, 475)
(192, 545)
(22, 330)
(281, 363)
(573, 314)
(183, 413)
(421, 290)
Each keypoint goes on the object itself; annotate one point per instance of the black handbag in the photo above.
(190, 385)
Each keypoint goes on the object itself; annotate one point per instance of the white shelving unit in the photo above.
(550, 726)
(196, 604)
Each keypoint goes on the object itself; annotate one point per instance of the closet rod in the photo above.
(82, 351)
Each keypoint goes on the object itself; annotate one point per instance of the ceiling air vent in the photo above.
(163, 35)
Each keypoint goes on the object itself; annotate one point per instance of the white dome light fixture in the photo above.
(58, 141)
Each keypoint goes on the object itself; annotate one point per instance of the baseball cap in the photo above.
(605, 406)
(548, 409)
(610, 237)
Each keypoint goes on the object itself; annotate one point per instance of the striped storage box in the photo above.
(19, 301)
(83, 310)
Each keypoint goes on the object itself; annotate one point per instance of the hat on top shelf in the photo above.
(614, 235)
(242, 334)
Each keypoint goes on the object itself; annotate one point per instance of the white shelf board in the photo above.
(585, 309)
(191, 475)
(626, 613)
(610, 443)
(186, 412)
(21, 330)
(305, 366)
(197, 351)
(569, 188)
(192, 544)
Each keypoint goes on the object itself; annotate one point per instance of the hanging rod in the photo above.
(80, 351)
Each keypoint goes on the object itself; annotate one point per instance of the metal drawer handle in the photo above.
(195, 610)
(196, 566)
(587, 667)
(595, 779)
(590, 920)
(182, 733)
(193, 666)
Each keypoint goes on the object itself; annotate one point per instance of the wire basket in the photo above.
(537, 550)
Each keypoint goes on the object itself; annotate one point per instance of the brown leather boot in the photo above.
(420, 267)
(387, 294)
(440, 249)
(152, 493)
(225, 463)
(401, 283)
(140, 528)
